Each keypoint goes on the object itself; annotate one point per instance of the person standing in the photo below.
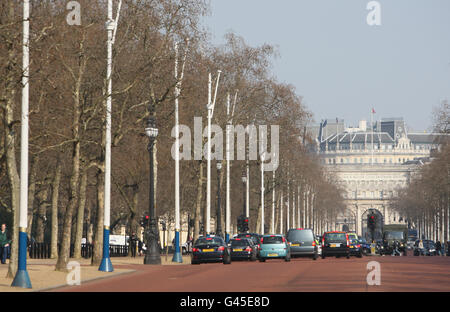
(420, 246)
(438, 248)
(133, 243)
(4, 243)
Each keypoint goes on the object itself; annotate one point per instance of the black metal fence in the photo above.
(43, 250)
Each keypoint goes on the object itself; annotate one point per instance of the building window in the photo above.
(385, 160)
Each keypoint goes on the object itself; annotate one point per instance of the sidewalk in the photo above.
(43, 275)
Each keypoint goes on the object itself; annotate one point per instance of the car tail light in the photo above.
(262, 240)
(283, 240)
(221, 248)
(358, 246)
(314, 243)
(237, 239)
(248, 249)
(259, 246)
(194, 249)
(300, 229)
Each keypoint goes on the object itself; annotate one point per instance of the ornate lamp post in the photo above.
(219, 214)
(152, 255)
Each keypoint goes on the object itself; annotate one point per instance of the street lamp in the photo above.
(219, 217)
(152, 255)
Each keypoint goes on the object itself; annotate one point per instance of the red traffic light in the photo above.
(147, 217)
(372, 217)
(246, 220)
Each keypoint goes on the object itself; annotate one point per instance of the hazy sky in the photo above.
(342, 66)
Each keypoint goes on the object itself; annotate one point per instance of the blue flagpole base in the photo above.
(177, 253)
(22, 279)
(177, 257)
(227, 238)
(106, 265)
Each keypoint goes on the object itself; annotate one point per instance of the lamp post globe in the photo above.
(152, 254)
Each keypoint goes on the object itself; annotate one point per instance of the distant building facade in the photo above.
(371, 162)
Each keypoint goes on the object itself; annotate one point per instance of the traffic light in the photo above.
(371, 221)
(144, 221)
(245, 225)
(240, 223)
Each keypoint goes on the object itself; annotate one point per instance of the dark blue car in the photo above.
(364, 245)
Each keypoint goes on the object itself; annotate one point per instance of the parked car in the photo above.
(210, 249)
(243, 249)
(336, 244)
(429, 248)
(274, 246)
(302, 242)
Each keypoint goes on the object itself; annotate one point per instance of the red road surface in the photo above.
(301, 274)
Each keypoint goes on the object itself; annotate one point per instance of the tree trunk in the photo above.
(98, 240)
(14, 182)
(10, 84)
(55, 198)
(80, 216)
(41, 215)
(64, 252)
(31, 194)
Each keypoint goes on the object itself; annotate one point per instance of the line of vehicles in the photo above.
(297, 242)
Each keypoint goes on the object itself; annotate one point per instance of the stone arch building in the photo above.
(371, 163)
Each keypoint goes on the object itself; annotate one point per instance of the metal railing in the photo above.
(43, 250)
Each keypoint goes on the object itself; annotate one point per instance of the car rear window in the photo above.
(300, 235)
(253, 237)
(241, 242)
(208, 241)
(335, 237)
(272, 240)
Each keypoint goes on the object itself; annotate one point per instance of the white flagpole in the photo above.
(22, 279)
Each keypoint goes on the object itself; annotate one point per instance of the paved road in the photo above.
(301, 274)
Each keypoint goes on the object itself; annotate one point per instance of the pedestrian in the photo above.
(420, 246)
(4, 243)
(438, 248)
(133, 242)
(395, 250)
(140, 245)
